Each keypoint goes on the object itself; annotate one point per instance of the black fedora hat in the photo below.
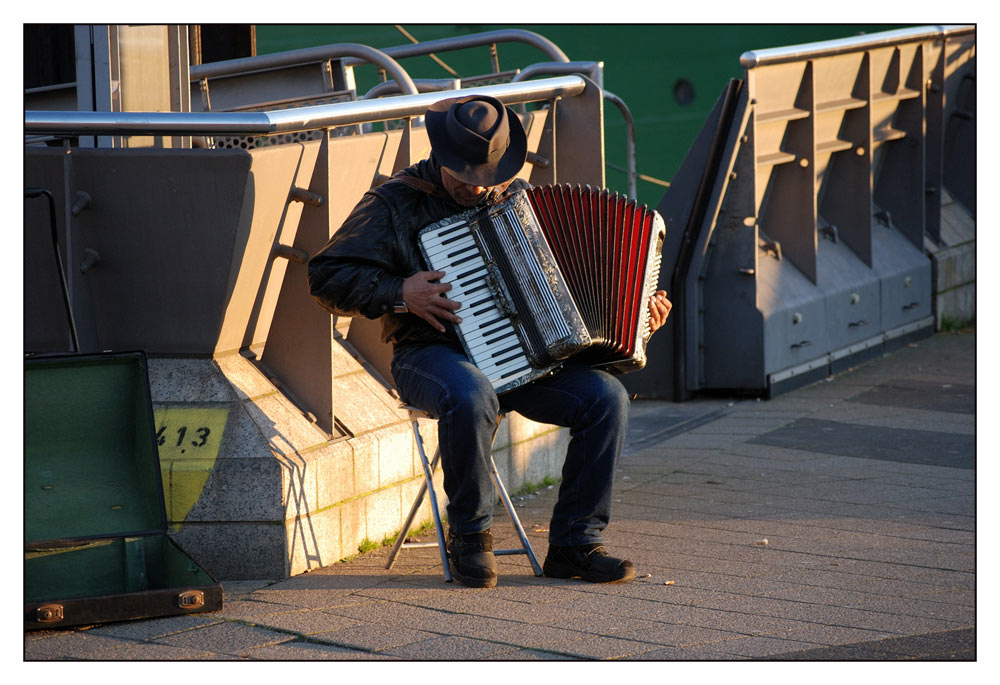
(477, 139)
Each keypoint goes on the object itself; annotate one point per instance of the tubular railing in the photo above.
(591, 69)
(630, 166)
(594, 72)
(363, 53)
(757, 58)
(424, 85)
(386, 57)
(318, 117)
(470, 41)
(351, 54)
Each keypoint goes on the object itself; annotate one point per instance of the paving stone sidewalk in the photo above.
(836, 522)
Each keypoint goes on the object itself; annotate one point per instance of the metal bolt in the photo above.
(306, 196)
(81, 202)
(90, 259)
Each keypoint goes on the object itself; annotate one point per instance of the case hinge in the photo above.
(49, 613)
(191, 599)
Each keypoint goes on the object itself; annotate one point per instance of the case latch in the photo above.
(49, 613)
(191, 599)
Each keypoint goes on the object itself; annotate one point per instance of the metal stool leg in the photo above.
(509, 506)
(426, 487)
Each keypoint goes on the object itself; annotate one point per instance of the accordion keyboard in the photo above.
(489, 335)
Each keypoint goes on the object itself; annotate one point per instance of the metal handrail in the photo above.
(593, 69)
(471, 41)
(424, 85)
(757, 58)
(631, 173)
(354, 54)
(243, 65)
(312, 118)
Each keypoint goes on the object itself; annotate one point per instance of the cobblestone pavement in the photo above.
(835, 522)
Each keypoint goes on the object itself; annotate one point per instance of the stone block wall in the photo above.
(954, 265)
(260, 492)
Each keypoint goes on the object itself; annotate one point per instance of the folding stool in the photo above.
(428, 487)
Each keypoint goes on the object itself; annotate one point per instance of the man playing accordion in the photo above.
(372, 267)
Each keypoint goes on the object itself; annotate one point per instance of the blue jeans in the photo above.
(593, 404)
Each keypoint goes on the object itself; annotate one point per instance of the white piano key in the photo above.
(491, 365)
(467, 287)
(478, 336)
(498, 371)
(436, 244)
(442, 233)
(485, 350)
(487, 325)
(475, 335)
(441, 253)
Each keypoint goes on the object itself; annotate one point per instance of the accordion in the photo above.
(550, 273)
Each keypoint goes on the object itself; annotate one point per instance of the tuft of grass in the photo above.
(951, 324)
(531, 488)
(423, 529)
(367, 546)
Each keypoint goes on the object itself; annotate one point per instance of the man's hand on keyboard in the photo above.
(424, 297)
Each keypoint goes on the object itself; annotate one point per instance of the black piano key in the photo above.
(452, 239)
(476, 289)
(491, 332)
(474, 255)
(509, 359)
(496, 338)
(470, 248)
(471, 272)
(515, 372)
(451, 229)
(504, 351)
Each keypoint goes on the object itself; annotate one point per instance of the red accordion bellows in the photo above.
(608, 250)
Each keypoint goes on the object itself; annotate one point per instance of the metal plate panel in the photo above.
(905, 276)
(875, 442)
(852, 293)
(926, 395)
(794, 311)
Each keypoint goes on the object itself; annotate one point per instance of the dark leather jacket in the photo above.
(360, 272)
